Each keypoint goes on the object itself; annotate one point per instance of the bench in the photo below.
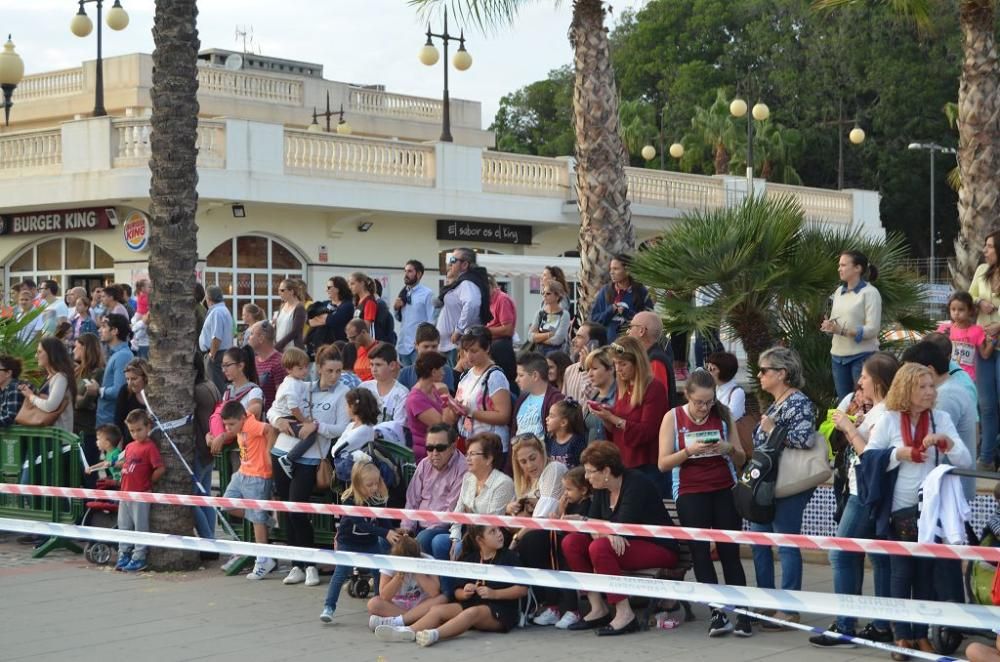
(677, 573)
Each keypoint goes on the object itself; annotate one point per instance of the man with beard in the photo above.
(576, 380)
(464, 300)
(413, 306)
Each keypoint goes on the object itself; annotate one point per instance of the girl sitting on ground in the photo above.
(404, 597)
(480, 605)
(366, 535)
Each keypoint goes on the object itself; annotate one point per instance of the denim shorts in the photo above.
(251, 487)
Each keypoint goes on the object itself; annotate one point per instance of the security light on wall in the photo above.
(239, 211)
(365, 226)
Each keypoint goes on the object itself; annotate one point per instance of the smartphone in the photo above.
(594, 404)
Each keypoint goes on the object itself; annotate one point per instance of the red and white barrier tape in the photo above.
(679, 533)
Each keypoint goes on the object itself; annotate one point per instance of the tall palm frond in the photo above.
(487, 14)
(918, 10)
(712, 139)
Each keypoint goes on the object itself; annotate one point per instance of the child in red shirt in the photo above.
(141, 466)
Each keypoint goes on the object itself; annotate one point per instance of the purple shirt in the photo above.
(417, 402)
(435, 490)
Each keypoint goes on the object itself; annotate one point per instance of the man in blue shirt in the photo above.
(216, 335)
(114, 332)
(413, 306)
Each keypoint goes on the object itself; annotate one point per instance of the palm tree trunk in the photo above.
(601, 187)
(173, 252)
(721, 160)
(978, 137)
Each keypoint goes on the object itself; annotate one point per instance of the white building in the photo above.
(314, 204)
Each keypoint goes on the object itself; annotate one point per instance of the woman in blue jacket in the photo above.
(619, 301)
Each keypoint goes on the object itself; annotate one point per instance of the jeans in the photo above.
(343, 572)
(787, 519)
(440, 549)
(847, 372)
(988, 386)
(426, 537)
(912, 577)
(408, 359)
(142, 351)
(204, 516)
(299, 488)
(849, 567)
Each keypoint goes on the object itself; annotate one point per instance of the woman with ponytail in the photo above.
(854, 320)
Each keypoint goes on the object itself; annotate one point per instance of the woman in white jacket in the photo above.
(328, 411)
(922, 438)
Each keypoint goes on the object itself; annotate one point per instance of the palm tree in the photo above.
(978, 123)
(767, 275)
(712, 138)
(776, 149)
(173, 251)
(601, 187)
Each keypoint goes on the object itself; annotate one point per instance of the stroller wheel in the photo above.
(99, 553)
(352, 587)
(363, 587)
(945, 640)
(88, 552)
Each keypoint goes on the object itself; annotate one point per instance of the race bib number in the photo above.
(963, 353)
(703, 437)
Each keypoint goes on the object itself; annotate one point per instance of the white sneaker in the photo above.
(548, 617)
(312, 576)
(230, 563)
(295, 576)
(394, 634)
(568, 619)
(327, 615)
(262, 568)
(427, 638)
(375, 621)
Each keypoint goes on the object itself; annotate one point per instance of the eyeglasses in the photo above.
(475, 454)
(764, 369)
(701, 403)
(228, 365)
(438, 448)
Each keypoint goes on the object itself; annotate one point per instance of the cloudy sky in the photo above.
(357, 41)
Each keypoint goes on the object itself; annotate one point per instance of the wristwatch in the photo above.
(620, 424)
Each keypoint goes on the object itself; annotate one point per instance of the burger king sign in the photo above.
(135, 229)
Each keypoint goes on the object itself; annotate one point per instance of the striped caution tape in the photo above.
(919, 611)
(679, 533)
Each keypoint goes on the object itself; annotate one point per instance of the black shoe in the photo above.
(584, 624)
(872, 633)
(825, 641)
(720, 624)
(608, 631)
(744, 626)
(30, 539)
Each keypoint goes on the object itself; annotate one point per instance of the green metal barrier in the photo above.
(41, 456)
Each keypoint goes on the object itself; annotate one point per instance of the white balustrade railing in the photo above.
(525, 175)
(130, 143)
(356, 158)
(818, 204)
(36, 151)
(51, 84)
(223, 82)
(377, 102)
(674, 189)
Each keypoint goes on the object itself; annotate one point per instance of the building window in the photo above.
(249, 268)
(71, 262)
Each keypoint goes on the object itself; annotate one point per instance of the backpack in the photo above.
(754, 491)
(215, 424)
(385, 324)
(317, 336)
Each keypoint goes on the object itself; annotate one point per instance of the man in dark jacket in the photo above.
(647, 328)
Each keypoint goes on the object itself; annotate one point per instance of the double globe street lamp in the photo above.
(81, 26)
(343, 128)
(11, 73)
(429, 56)
(759, 112)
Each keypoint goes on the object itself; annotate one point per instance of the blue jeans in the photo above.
(440, 548)
(849, 567)
(343, 572)
(847, 372)
(912, 577)
(408, 359)
(204, 516)
(787, 519)
(988, 386)
(426, 537)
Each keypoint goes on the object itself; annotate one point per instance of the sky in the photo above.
(356, 41)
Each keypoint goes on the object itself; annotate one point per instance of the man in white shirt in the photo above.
(462, 300)
(414, 305)
(216, 335)
(56, 310)
(576, 379)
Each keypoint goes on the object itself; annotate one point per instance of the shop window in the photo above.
(60, 260)
(261, 263)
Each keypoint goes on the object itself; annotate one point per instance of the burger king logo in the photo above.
(135, 229)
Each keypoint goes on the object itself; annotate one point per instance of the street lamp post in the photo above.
(856, 136)
(759, 112)
(649, 152)
(932, 148)
(81, 26)
(462, 61)
(11, 73)
(343, 128)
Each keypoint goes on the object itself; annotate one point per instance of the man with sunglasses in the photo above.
(413, 306)
(464, 300)
(436, 482)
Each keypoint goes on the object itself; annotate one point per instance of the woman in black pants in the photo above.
(699, 444)
(328, 409)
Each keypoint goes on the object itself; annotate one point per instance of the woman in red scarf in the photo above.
(923, 438)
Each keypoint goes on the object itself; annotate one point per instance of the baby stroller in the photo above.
(397, 465)
(103, 514)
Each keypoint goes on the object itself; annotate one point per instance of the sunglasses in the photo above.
(764, 369)
(618, 348)
(453, 260)
(437, 448)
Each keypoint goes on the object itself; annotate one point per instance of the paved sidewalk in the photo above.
(63, 608)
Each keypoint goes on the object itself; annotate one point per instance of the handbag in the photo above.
(32, 416)
(324, 472)
(801, 469)
(753, 493)
(904, 524)
(215, 424)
